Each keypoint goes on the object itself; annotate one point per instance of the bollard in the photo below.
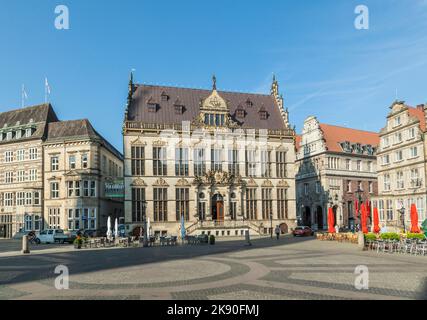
(361, 241)
(248, 238)
(25, 245)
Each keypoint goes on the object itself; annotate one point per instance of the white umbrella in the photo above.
(116, 228)
(109, 233)
(148, 226)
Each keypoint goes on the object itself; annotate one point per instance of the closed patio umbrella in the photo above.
(414, 220)
(331, 221)
(364, 219)
(116, 228)
(377, 228)
(109, 233)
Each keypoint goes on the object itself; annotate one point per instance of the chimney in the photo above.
(421, 107)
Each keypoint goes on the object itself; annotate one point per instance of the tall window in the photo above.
(72, 162)
(138, 161)
(8, 177)
(199, 162)
(216, 161)
(348, 164)
(181, 162)
(54, 190)
(54, 163)
(160, 204)
(281, 164)
(381, 209)
(37, 198)
(267, 203)
(20, 155)
(159, 161)
(250, 163)
(8, 199)
(251, 204)
(387, 185)
(32, 154)
(233, 162)
(54, 218)
(282, 203)
(202, 211)
(389, 210)
(359, 165)
(266, 164)
(21, 176)
(92, 188)
(8, 156)
(182, 203)
(32, 175)
(399, 180)
(85, 188)
(138, 198)
(85, 161)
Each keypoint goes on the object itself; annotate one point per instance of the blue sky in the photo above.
(325, 66)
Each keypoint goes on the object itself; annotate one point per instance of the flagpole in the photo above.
(22, 96)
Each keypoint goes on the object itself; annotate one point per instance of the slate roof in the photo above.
(38, 115)
(191, 98)
(77, 129)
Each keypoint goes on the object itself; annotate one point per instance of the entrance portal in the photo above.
(319, 218)
(218, 208)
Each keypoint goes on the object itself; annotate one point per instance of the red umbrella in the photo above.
(331, 221)
(364, 218)
(414, 220)
(377, 228)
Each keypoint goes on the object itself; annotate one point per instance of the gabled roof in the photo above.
(298, 139)
(191, 98)
(77, 129)
(334, 135)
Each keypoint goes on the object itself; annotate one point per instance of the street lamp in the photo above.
(144, 212)
(359, 193)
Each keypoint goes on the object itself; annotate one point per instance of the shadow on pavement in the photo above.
(38, 267)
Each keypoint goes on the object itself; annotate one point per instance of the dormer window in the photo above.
(249, 103)
(164, 96)
(152, 105)
(18, 134)
(240, 112)
(179, 107)
(263, 114)
(28, 132)
(9, 135)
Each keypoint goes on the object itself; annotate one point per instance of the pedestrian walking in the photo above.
(277, 230)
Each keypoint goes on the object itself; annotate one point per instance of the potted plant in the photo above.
(212, 239)
(78, 242)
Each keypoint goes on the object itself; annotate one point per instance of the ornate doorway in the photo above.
(218, 208)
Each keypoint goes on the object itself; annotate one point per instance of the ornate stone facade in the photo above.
(222, 161)
(402, 166)
(332, 164)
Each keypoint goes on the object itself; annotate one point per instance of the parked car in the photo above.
(52, 236)
(303, 232)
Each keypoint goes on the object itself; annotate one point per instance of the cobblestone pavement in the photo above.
(269, 269)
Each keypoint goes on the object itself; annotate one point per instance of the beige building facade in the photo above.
(336, 167)
(78, 163)
(222, 162)
(402, 166)
(39, 186)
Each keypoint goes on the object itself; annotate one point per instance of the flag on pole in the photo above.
(24, 96)
(46, 90)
